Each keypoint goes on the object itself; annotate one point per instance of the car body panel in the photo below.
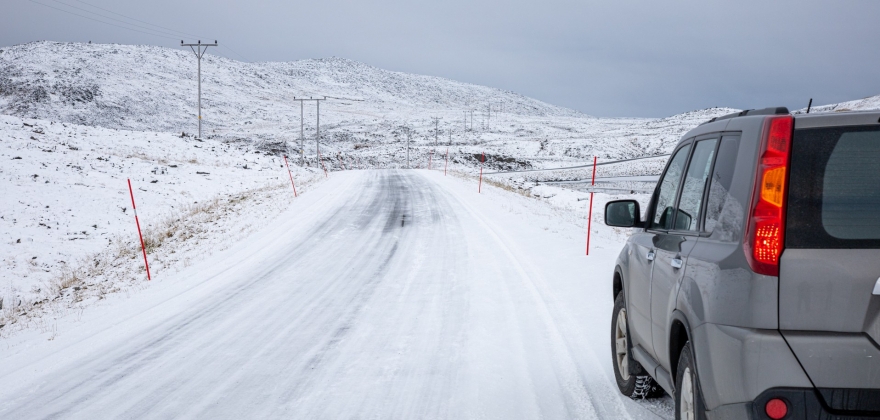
(837, 360)
(665, 280)
(718, 289)
(738, 364)
(637, 284)
(830, 290)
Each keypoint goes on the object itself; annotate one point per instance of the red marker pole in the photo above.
(322, 164)
(136, 221)
(482, 159)
(590, 217)
(446, 165)
(291, 176)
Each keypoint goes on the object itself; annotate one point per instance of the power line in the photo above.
(153, 32)
(118, 20)
(178, 33)
(138, 20)
(234, 52)
(101, 21)
(576, 167)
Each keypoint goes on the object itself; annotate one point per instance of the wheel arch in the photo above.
(618, 282)
(679, 335)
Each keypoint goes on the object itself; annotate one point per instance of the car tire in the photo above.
(688, 394)
(632, 379)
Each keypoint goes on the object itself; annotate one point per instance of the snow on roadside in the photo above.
(566, 205)
(561, 213)
(69, 232)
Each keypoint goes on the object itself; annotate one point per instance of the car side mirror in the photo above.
(623, 213)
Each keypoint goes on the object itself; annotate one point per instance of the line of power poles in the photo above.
(302, 148)
(436, 128)
(302, 137)
(199, 49)
(469, 125)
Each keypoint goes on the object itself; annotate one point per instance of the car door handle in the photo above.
(676, 262)
(650, 256)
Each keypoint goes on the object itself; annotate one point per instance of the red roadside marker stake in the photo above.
(341, 162)
(446, 165)
(480, 186)
(291, 176)
(322, 164)
(136, 221)
(590, 216)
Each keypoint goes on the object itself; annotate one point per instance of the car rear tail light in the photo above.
(776, 409)
(766, 229)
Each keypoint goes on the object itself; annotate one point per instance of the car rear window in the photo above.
(834, 198)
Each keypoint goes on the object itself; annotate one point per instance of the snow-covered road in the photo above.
(390, 294)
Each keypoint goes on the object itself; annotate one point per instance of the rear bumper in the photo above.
(837, 360)
(736, 365)
(812, 404)
(807, 404)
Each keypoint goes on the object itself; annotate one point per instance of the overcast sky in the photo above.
(643, 58)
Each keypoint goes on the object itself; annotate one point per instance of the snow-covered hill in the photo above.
(865, 104)
(149, 88)
(154, 88)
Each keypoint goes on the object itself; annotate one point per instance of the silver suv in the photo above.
(750, 289)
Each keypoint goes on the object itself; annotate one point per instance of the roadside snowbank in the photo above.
(69, 232)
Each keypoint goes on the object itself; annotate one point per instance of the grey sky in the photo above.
(612, 58)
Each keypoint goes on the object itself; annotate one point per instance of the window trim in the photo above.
(653, 205)
(701, 228)
(721, 136)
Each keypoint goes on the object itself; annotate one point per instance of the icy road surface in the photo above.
(383, 294)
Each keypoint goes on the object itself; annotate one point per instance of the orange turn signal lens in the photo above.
(773, 186)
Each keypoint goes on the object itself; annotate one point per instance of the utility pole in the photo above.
(302, 134)
(436, 129)
(199, 54)
(488, 115)
(407, 147)
(318, 128)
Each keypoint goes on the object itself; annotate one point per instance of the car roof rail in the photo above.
(776, 110)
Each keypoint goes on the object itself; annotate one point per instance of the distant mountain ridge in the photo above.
(865, 104)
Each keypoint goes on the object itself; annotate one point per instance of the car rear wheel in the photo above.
(632, 380)
(688, 401)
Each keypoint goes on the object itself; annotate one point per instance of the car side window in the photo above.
(724, 214)
(687, 216)
(664, 208)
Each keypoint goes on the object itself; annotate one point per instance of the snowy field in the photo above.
(66, 216)
(381, 294)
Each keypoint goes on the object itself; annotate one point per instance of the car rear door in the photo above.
(829, 271)
(675, 241)
(661, 214)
